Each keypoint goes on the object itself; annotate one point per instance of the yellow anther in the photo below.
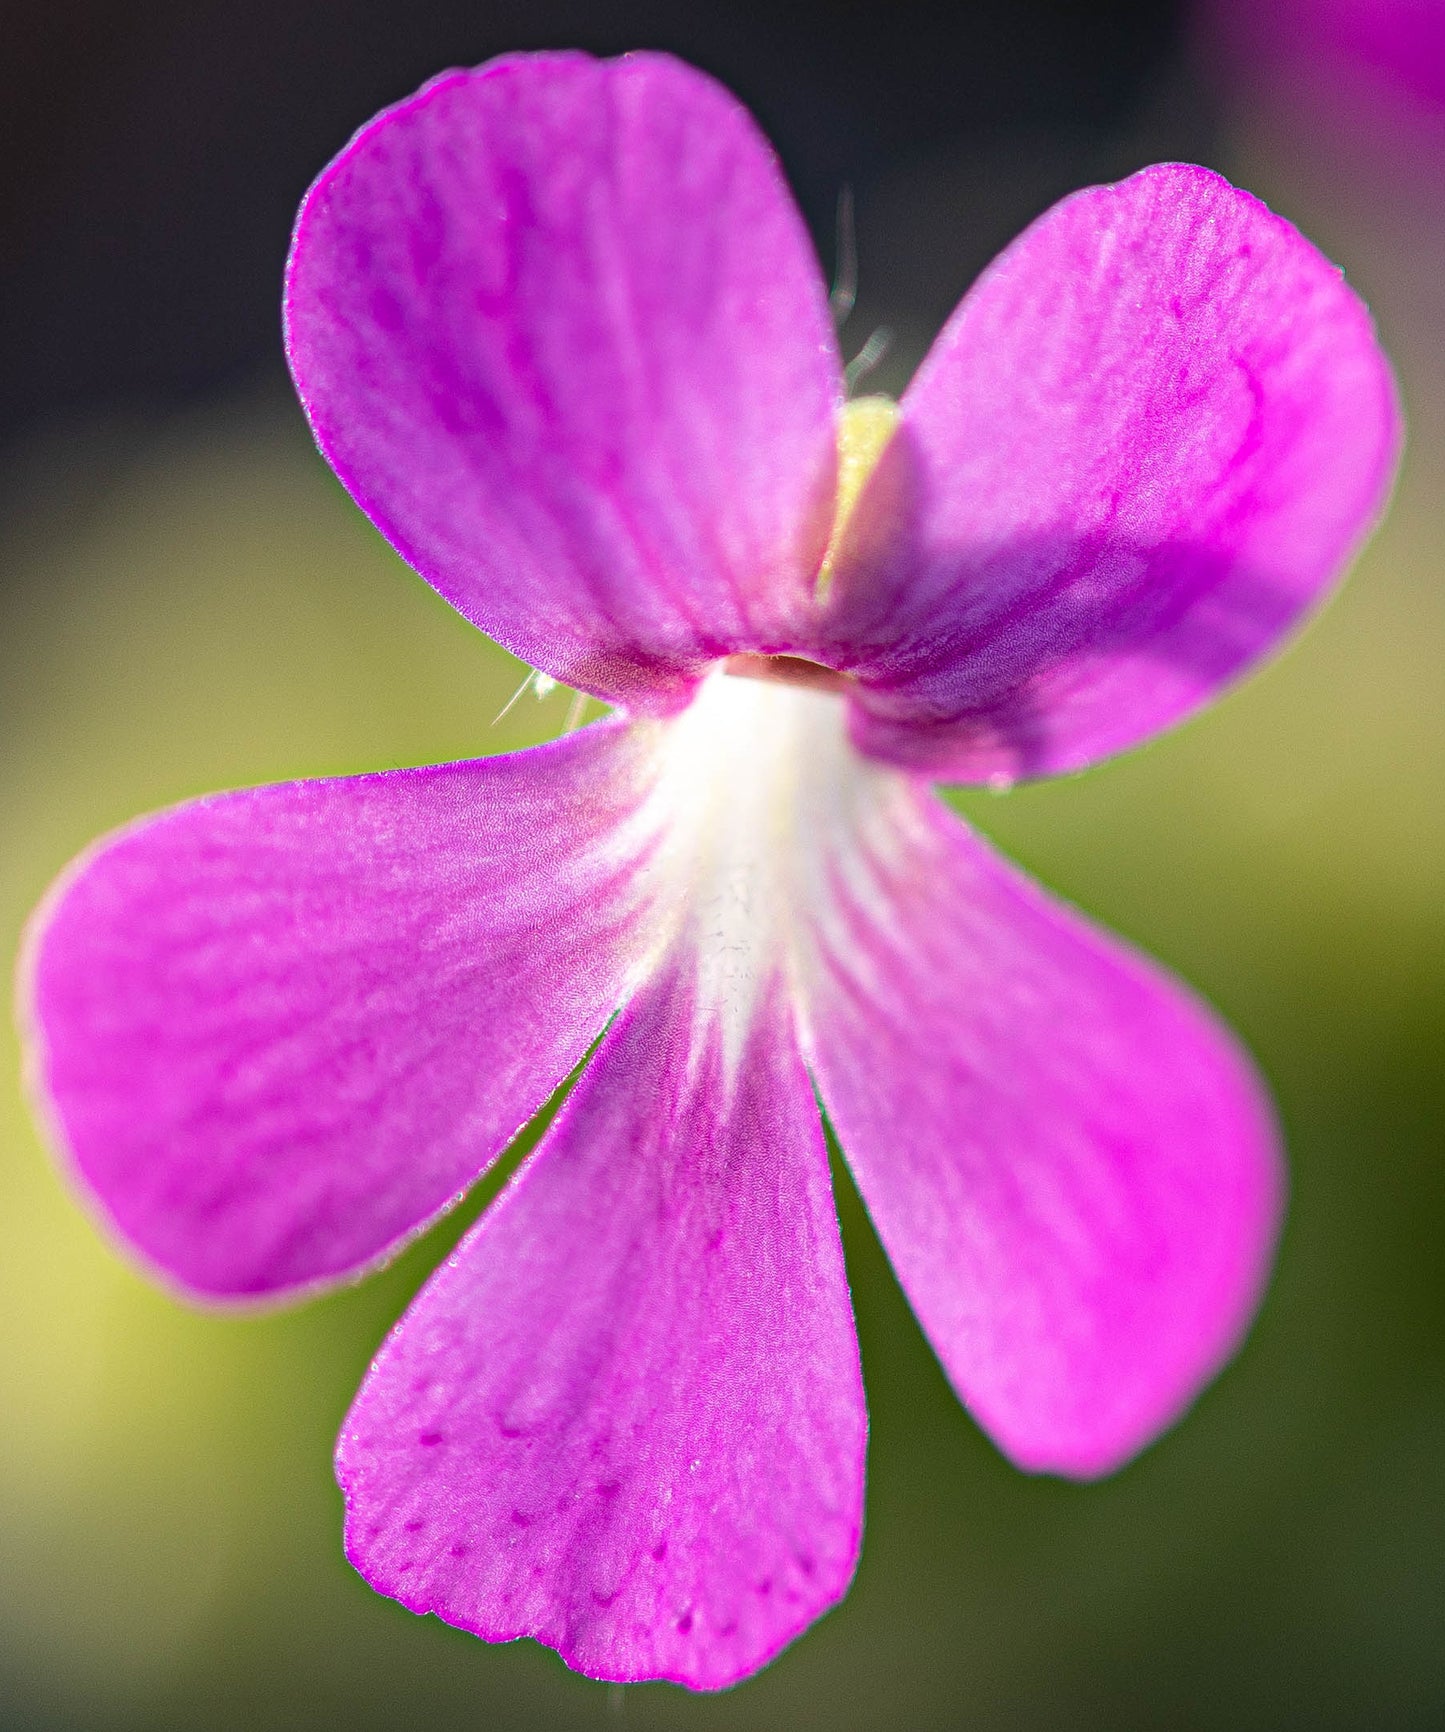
(866, 426)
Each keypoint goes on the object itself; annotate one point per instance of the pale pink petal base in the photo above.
(1070, 1163)
(626, 1418)
(277, 1031)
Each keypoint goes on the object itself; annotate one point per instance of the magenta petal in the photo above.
(559, 328)
(1149, 438)
(626, 1417)
(278, 1030)
(1069, 1162)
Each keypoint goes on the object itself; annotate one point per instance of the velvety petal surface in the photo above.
(559, 328)
(277, 1031)
(1070, 1163)
(1150, 437)
(626, 1417)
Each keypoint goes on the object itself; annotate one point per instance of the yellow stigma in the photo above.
(866, 426)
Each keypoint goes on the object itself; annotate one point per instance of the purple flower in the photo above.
(558, 328)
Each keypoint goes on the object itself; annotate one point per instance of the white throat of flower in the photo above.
(759, 801)
(760, 809)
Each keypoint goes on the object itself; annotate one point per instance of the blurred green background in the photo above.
(190, 602)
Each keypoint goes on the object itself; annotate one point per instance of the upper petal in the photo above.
(626, 1417)
(558, 326)
(1151, 436)
(1070, 1163)
(276, 1031)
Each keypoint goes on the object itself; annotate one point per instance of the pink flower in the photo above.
(558, 328)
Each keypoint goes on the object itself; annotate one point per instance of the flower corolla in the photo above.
(557, 325)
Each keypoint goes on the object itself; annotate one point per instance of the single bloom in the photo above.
(558, 327)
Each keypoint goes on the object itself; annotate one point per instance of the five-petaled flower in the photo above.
(557, 325)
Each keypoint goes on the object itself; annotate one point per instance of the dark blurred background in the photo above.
(158, 152)
(188, 601)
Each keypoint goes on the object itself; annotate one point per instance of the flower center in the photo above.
(864, 429)
(757, 796)
(759, 800)
(787, 671)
